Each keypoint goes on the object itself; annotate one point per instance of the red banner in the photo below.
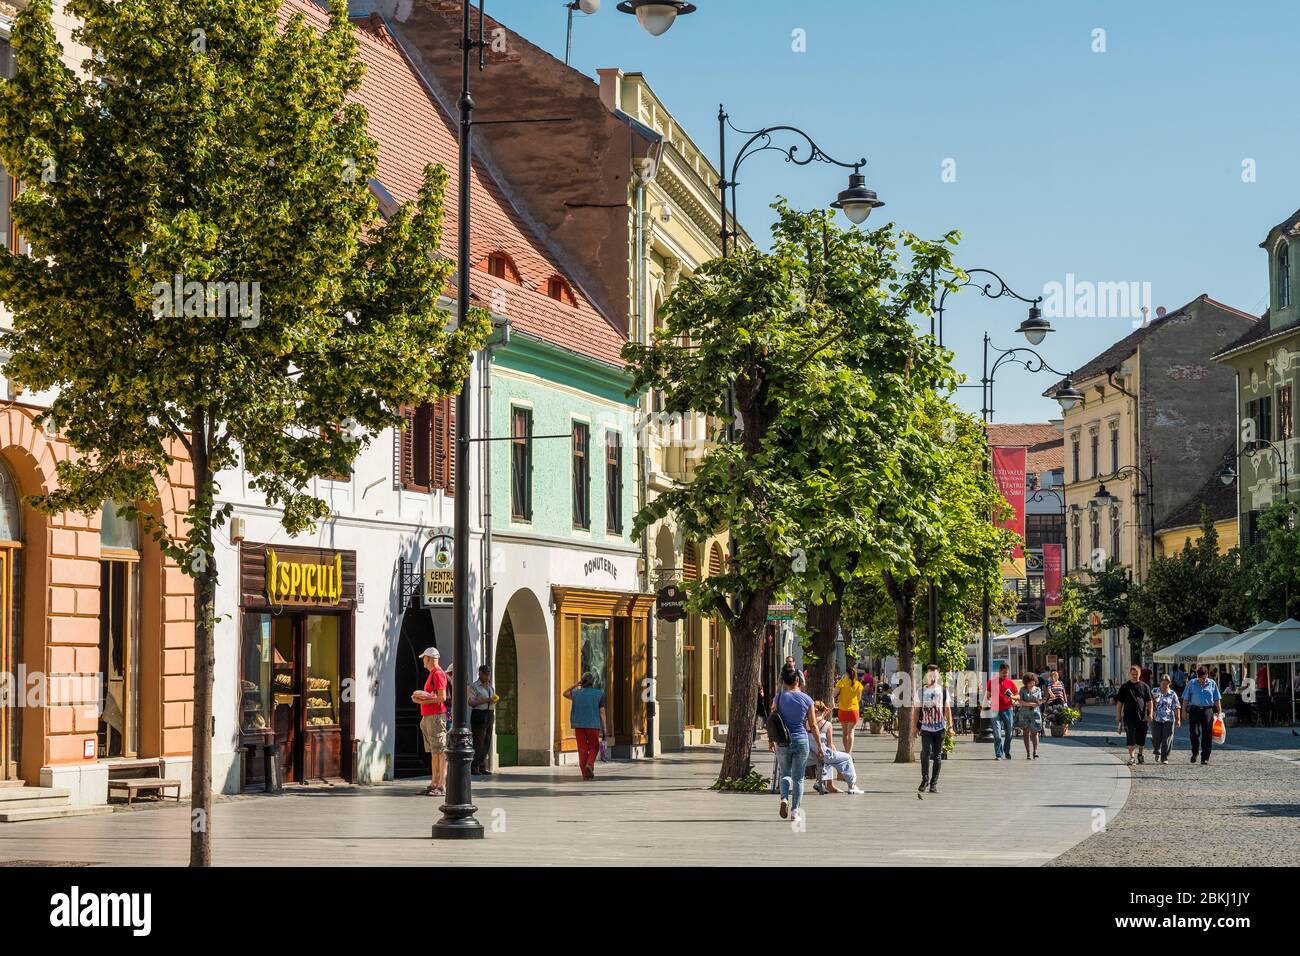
(1009, 475)
(1053, 565)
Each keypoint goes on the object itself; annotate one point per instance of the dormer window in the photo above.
(557, 289)
(1283, 276)
(499, 265)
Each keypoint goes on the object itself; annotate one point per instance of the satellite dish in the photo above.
(1160, 311)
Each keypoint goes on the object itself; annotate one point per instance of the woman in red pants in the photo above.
(588, 719)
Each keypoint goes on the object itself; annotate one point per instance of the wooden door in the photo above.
(507, 676)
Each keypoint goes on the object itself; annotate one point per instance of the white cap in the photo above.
(430, 652)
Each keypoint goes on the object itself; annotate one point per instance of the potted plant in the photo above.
(1061, 721)
(875, 715)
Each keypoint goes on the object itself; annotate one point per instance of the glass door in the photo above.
(11, 689)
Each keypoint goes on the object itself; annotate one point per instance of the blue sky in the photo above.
(1117, 166)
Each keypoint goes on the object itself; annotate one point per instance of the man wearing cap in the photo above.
(433, 719)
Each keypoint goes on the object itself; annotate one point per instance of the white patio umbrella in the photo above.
(1279, 644)
(1185, 651)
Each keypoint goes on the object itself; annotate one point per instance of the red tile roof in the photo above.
(1044, 443)
(412, 130)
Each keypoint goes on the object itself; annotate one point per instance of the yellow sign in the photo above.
(438, 585)
(303, 582)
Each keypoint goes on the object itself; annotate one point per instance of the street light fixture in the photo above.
(1067, 395)
(857, 201)
(1035, 328)
(656, 16)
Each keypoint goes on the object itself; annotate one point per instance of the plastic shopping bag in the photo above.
(604, 751)
(1220, 730)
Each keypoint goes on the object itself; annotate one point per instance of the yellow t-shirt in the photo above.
(848, 693)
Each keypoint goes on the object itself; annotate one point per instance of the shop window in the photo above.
(613, 482)
(593, 651)
(119, 633)
(322, 670)
(427, 450)
(10, 622)
(521, 463)
(256, 680)
(581, 475)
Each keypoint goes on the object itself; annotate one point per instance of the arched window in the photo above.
(119, 632)
(1283, 275)
(10, 621)
(502, 266)
(556, 288)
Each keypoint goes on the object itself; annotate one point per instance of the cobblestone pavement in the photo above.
(650, 812)
(1243, 809)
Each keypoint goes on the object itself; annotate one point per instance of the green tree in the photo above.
(1182, 592)
(1108, 591)
(1276, 563)
(786, 332)
(209, 146)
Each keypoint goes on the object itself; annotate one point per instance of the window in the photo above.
(8, 185)
(499, 265)
(1114, 447)
(1076, 534)
(1074, 457)
(11, 643)
(581, 475)
(1285, 421)
(521, 463)
(427, 447)
(1114, 532)
(1260, 411)
(1094, 440)
(558, 289)
(1283, 276)
(119, 634)
(1041, 529)
(1094, 516)
(613, 482)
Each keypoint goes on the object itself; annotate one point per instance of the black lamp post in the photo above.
(458, 821)
(1104, 497)
(1035, 329)
(1228, 473)
(856, 200)
(1032, 362)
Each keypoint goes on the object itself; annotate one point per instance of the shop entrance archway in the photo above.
(523, 678)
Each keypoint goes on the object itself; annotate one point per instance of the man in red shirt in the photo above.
(433, 719)
(1001, 699)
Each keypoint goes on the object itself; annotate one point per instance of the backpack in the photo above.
(777, 732)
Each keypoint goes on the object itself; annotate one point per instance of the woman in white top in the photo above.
(833, 760)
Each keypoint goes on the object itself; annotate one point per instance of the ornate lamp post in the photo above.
(458, 821)
(1228, 473)
(1104, 497)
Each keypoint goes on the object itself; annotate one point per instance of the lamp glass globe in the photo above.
(656, 18)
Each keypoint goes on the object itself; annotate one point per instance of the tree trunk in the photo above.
(746, 662)
(823, 630)
(904, 596)
(204, 569)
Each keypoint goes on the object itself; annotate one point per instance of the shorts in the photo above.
(1135, 732)
(848, 718)
(434, 728)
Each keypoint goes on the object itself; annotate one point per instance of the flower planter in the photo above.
(876, 729)
(1060, 730)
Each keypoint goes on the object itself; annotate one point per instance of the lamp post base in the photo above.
(984, 731)
(452, 826)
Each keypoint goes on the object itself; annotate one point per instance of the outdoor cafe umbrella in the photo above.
(1185, 651)
(1279, 644)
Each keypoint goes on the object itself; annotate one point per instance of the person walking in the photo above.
(1133, 712)
(1165, 710)
(933, 721)
(482, 714)
(588, 720)
(796, 712)
(1002, 693)
(433, 720)
(1029, 714)
(833, 760)
(848, 692)
(1179, 680)
(1201, 701)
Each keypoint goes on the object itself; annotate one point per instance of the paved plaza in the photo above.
(656, 812)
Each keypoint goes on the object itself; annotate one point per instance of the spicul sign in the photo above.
(296, 581)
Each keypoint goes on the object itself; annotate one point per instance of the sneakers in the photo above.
(785, 808)
(1141, 757)
(1132, 760)
(855, 791)
(934, 788)
(1193, 758)
(924, 784)
(1035, 754)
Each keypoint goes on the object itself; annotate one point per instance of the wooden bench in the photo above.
(136, 777)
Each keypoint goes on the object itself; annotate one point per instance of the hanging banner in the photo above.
(1009, 475)
(1053, 559)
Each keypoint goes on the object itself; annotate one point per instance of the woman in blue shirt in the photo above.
(796, 710)
(1167, 719)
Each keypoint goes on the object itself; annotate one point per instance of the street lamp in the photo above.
(458, 821)
(1228, 473)
(856, 200)
(1103, 497)
(583, 6)
(656, 16)
(1067, 395)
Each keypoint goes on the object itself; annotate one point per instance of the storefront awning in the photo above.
(1271, 645)
(1185, 651)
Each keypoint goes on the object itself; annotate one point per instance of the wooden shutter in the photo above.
(690, 563)
(444, 444)
(404, 449)
(715, 561)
